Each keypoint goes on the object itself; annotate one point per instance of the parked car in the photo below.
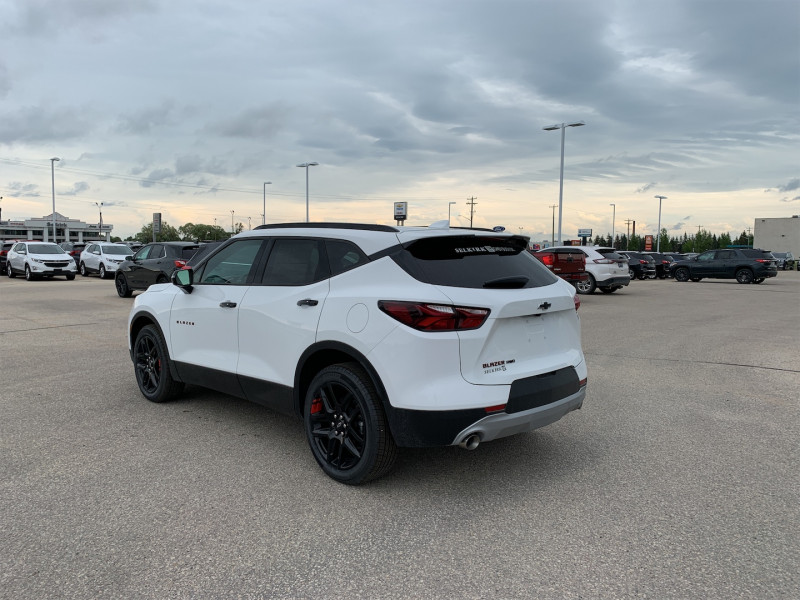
(74, 249)
(640, 266)
(203, 251)
(153, 263)
(36, 260)
(567, 263)
(784, 260)
(662, 262)
(607, 269)
(378, 337)
(103, 258)
(746, 266)
(5, 246)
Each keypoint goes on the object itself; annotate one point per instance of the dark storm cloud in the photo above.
(645, 188)
(795, 199)
(793, 184)
(37, 124)
(156, 176)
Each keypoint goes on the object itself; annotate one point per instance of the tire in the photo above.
(744, 276)
(681, 274)
(609, 289)
(162, 279)
(151, 364)
(123, 290)
(84, 272)
(346, 427)
(28, 274)
(71, 277)
(632, 274)
(758, 280)
(586, 287)
(696, 279)
(102, 271)
(10, 271)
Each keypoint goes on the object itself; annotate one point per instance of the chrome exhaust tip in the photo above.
(470, 442)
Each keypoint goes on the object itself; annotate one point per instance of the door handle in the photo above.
(227, 304)
(307, 302)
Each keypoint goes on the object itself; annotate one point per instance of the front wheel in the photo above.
(588, 286)
(84, 272)
(123, 290)
(102, 271)
(10, 271)
(70, 276)
(28, 274)
(346, 427)
(609, 289)
(696, 279)
(744, 276)
(759, 280)
(682, 274)
(151, 364)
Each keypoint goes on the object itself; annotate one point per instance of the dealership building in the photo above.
(67, 230)
(778, 235)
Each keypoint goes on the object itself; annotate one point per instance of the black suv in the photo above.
(153, 263)
(640, 266)
(746, 266)
(74, 249)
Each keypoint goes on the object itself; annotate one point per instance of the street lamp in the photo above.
(305, 166)
(563, 128)
(658, 243)
(100, 207)
(264, 214)
(231, 222)
(53, 179)
(613, 218)
(553, 238)
(449, 204)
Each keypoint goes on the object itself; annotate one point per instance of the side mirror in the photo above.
(183, 278)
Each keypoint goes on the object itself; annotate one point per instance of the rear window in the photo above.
(474, 262)
(757, 254)
(611, 253)
(188, 251)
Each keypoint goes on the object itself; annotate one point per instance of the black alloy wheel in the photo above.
(346, 426)
(151, 364)
(682, 274)
(744, 276)
(123, 290)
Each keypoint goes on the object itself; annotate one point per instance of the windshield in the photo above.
(45, 249)
(121, 250)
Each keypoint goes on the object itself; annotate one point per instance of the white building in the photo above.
(778, 235)
(41, 229)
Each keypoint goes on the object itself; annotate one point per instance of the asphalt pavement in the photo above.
(678, 479)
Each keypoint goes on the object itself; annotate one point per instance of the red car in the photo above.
(568, 264)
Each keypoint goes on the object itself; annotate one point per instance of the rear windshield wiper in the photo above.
(506, 282)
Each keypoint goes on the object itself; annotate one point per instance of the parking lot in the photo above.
(677, 479)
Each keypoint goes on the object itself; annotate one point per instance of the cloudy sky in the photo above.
(186, 107)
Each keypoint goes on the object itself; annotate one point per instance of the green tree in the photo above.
(168, 234)
(725, 240)
(201, 232)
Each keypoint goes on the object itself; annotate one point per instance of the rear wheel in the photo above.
(632, 274)
(346, 427)
(151, 364)
(696, 279)
(588, 286)
(123, 290)
(744, 276)
(758, 280)
(162, 279)
(682, 274)
(609, 290)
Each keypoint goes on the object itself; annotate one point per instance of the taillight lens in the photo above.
(763, 260)
(577, 301)
(179, 264)
(642, 262)
(548, 259)
(434, 317)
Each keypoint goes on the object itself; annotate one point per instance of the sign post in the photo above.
(156, 224)
(400, 212)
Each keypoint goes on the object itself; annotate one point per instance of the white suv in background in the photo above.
(39, 259)
(607, 269)
(376, 336)
(103, 258)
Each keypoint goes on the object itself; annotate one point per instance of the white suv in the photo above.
(103, 258)
(39, 259)
(376, 336)
(607, 269)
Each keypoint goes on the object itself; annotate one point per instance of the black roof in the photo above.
(363, 226)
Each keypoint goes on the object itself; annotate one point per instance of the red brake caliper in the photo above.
(316, 405)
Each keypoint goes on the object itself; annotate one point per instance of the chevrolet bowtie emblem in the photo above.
(545, 305)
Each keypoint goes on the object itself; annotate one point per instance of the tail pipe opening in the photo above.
(470, 442)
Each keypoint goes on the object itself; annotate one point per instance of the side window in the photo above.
(295, 262)
(158, 251)
(343, 256)
(706, 256)
(143, 253)
(232, 265)
(726, 254)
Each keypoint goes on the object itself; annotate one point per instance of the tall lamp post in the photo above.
(449, 204)
(553, 239)
(100, 207)
(563, 128)
(53, 179)
(613, 219)
(305, 166)
(232, 223)
(264, 214)
(658, 243)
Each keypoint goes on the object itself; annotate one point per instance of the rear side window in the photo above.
(343, 256)
(757, 254)
(295, 262)
(474, 262)
(611, 253)
(188, 251)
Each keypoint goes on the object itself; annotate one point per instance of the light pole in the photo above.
(231, 223)
(613, 218)
(305, 166)
(100, 207)
(53, 179)
(264, 214)
(553, 239)
(249, 226)
(658, 243)
(449, 204)
(563, 128)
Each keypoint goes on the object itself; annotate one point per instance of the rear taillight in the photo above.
(642, 262)
(434, 317)
(604, 261)
(763, 260)
(179, 264)
(548, 259)
(577, 301)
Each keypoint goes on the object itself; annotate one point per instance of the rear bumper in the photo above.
(614, 281)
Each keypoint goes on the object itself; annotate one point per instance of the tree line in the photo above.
(702, 241)
(195, 232)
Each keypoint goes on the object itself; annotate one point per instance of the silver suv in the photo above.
(608, 270)
(376, 336)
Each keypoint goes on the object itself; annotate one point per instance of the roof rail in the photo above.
(363, 226)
